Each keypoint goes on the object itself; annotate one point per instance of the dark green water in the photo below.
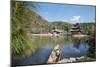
(71, 47)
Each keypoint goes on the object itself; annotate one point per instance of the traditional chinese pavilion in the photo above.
(75, 29)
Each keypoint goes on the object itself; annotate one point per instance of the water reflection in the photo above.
(70, 47)
(76, 48)
(76, 43)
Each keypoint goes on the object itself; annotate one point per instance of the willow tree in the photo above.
(22, 17)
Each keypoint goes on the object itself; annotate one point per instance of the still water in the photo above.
(70, 47)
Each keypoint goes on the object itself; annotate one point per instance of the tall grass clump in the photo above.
(21, 42)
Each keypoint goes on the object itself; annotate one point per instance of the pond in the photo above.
(70, 47)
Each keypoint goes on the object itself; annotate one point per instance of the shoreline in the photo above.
(49, 34)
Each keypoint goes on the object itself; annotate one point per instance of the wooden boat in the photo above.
(55, 55)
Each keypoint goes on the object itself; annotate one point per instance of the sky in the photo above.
(66, 12)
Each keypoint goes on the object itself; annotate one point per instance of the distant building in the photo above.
(75, 29)
(57, 32)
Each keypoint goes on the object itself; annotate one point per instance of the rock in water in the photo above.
(55, 54)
